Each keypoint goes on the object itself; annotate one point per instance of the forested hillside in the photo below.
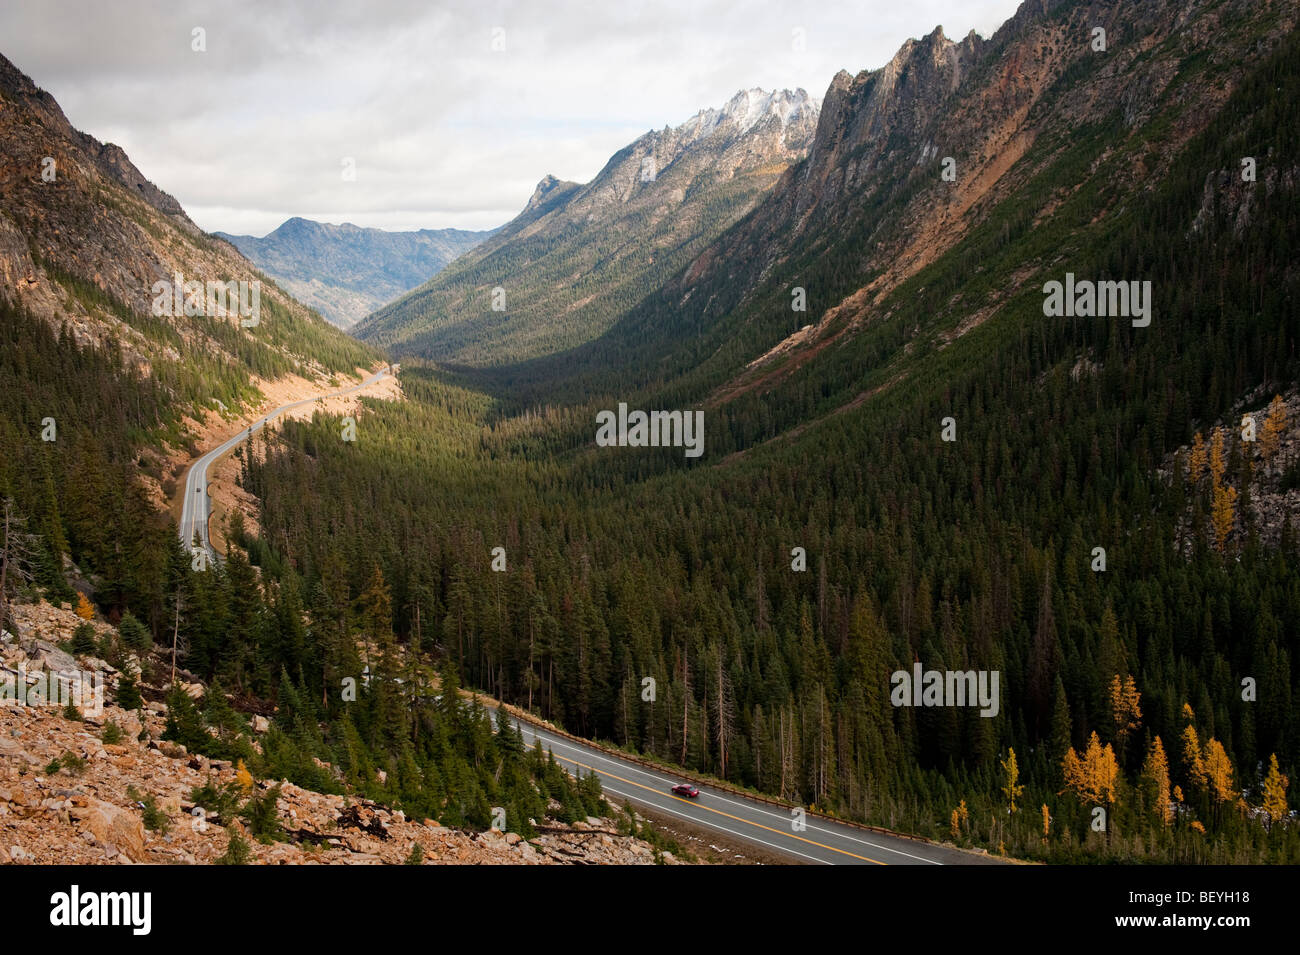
(975, 553)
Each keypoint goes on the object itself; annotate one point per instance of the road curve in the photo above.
(197, 506)
(820, 842)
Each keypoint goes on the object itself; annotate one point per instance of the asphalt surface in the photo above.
(760, 824)
(197, 506)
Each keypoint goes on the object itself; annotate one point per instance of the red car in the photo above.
(685, 789)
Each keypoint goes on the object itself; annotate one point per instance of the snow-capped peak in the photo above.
(750, 107)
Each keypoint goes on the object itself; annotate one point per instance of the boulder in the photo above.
(116, 827)
(49, 657)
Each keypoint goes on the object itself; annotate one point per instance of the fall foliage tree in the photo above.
(1155, 777)
(1270, 439)
(1275, 784)
(85, 609)
(1192, 758)
(1217, 463)
(960, 817)
(1218, 772)
(1125, 705)
(1012, 789)
(243, 777)
(1092, 776)
(1196, 460)
(1223, 515)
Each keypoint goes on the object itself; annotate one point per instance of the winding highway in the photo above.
(820, 842)
(197, 506)
(739, 818)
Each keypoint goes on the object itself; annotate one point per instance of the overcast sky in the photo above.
(443, 129)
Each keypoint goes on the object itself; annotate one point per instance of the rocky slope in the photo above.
(579, 256)
(346, 272)
(69, 797)
(84, 237)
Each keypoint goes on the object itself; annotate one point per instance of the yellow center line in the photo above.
(756, 825)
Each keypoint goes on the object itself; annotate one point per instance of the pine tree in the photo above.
(128, 694)
(134, 634)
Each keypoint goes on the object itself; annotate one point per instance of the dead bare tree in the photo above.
(17, 556)
(724, 713)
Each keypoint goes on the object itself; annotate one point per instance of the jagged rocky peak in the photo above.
(38, 127)
(548, 185)
(750, 108)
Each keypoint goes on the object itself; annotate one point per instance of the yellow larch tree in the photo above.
(1275, 784)
(85, 609)
(1012, 789)
(1196, 460)
(1270, 439)
(1217, 463)
(1218, 772)
(1092, 776)
(1193, 759)
(960, 816)
(1125, 704)
(1155, 775)
(1223, 514)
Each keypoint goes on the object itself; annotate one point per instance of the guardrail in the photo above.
(722, 786)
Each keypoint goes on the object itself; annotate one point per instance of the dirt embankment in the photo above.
(223, 476)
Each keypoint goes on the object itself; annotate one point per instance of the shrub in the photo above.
(128, 694)
(237, 851)
(263, 815)
(83, 640)
(155, 820)
(134, 634)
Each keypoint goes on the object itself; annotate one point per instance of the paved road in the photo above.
(197, 507)
(821, 842)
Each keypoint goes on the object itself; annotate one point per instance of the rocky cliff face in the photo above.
(1003, 110)
(579, 255)
(84, 236)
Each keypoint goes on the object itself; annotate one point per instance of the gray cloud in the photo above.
(444, 130)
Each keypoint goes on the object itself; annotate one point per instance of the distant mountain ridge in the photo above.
(345, 271)
(578, 256)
